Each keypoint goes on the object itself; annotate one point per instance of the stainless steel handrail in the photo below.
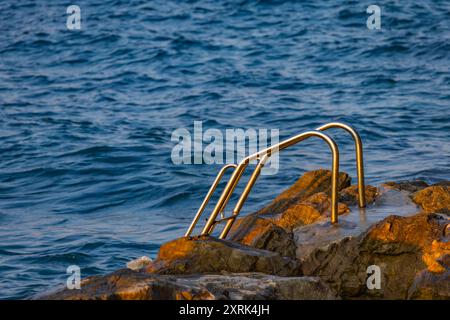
(359, 157)
(208, 197)
(262, 157)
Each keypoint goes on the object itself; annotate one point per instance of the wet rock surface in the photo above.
(408, 186)
(350, 195)
(272, 231)
(290, 250)
(400, 246)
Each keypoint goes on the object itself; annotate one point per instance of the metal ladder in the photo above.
(262, 157)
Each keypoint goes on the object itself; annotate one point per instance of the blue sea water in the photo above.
(86, 117)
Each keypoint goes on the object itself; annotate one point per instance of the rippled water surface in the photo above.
(86, 116)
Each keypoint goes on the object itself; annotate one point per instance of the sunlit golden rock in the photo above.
(312, 209)
(434, 199)
(207, 254)
(310, 183)
(273, 232)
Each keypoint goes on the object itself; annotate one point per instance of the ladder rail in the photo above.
(208, 197)
(244, 195)
(262, 157)
(224, 198)
(359, 157)
(226, 194)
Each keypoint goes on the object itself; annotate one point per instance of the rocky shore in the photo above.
(289, 250)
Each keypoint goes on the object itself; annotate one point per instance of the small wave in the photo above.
(380, 80)
(390, 49)
(104, 38)
(66, 258)
(91, 151)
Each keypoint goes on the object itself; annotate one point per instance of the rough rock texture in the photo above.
(210, 255)
(274, 232)
(310, 183)
(432, 285)
(261, 233)
(312, 209)
(433, 199)
(350, 195)
(139, 263)
(408, 186)
(127, 284)
(400, 246)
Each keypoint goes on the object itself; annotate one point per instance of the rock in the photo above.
(314, 208)
(442, 183)
(139, 263)
(209, 255)
(400, 246)
(130, 285)
(350, 195)
(433, 199)
(273, 232)
(310, 183)
(261, 233)
(432, 285)
(409, 186)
